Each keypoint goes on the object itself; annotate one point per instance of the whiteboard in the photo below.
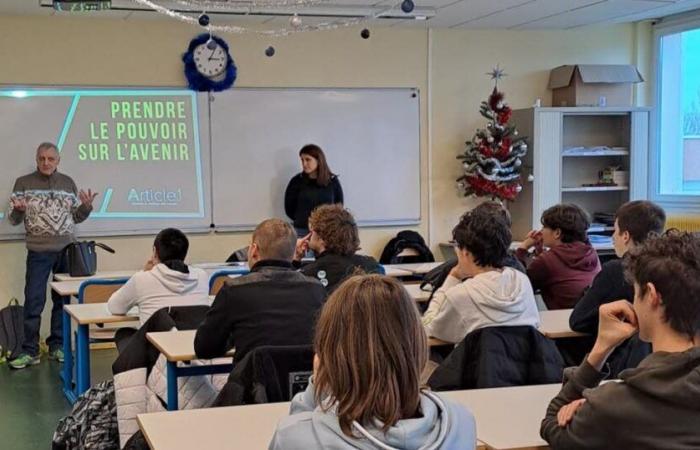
(141, 192)
(371, 138)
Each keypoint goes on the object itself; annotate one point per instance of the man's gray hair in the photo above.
(45, 146)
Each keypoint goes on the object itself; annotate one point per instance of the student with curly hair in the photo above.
(569, 265)
(366, 392)
(655, 405)
(480, 291)
(334, 239)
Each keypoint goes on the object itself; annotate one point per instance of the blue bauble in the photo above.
(269, 51)
(204, 20)
(407, 6)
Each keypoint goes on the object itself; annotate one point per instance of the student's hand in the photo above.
(458, 273)
(533, 238)
(301, 247)
(86, 198)
(566, 413)
(617, 323)
(150, 264)
(18, 204)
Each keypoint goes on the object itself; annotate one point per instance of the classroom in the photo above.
(479, 218)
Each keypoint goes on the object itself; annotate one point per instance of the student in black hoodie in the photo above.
(273, 305)
(315, 185)
(334, 239)
(634, 221)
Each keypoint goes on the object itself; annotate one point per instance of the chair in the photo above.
(219, 278)
(99, 291)
(268, 374)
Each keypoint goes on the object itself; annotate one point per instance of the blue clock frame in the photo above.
(198, 82)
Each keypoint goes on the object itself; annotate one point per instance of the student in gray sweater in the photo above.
(365, 392)
(49, 205)
(657, 404)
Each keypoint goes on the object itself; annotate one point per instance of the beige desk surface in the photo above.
(95, 313)
(66, 288)
(108, 274)
(507, 418)
(413, 268)
(393, 271)
(176, 345)
(555, 324)
(416, 293)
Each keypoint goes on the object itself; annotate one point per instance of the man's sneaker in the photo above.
(24, 360)
(56, 355)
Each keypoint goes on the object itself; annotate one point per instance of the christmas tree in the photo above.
(492, 159)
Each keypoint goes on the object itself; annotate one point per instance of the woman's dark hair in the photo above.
(671, 262)
(570, 219)
(323, 173)
(485, 235)
(171, 244)
(640, 218)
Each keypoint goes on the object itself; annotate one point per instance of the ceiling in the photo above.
(460, 14)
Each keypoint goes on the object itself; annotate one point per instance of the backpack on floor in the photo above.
(11, 330)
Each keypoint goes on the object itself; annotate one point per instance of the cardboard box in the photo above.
(593, 85)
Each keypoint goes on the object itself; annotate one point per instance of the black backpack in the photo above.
(11, 330)
(404, 240)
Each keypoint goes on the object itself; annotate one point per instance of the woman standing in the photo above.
(315, 185)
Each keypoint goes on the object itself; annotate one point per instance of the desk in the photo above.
(178, 346)
(99, 275)
(392, 271)
(84, 315)
(506, 418)
(416, 293)
(412, 268)
(555, 324)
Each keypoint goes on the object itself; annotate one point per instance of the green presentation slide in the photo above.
(140, 149)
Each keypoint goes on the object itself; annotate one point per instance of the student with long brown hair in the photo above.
(315, 185)
(365, 393)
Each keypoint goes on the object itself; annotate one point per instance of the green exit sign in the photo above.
(81, 5)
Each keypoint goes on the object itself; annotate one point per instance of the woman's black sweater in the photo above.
(303, 194)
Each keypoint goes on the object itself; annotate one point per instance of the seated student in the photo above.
(334, 239)
(492, 294)
(272, 305)
(564, 271)
(366, 391)
(164, 281)
(657, 404)
(634, 221)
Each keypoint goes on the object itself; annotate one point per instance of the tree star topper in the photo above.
(497, 73)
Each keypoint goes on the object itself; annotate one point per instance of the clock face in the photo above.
(210, 63)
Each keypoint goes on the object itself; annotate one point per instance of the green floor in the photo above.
(32, 401)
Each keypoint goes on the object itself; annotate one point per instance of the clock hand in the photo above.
(212, 54)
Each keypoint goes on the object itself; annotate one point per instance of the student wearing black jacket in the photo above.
(634, 221)
(273, 305)
(315, 185)
(335, 239)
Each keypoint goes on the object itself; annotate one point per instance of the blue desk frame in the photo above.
(226, 272)
(82, 346)
(173, 372)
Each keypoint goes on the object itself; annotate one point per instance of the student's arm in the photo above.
(212, 337)
(440, 320)
(337, 191)
(586, 428)
(291, 195)
(125, 298)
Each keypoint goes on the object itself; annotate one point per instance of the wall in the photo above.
(448, 67)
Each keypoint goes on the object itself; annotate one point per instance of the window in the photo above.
(676, 162)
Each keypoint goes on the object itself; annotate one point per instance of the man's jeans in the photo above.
(40, 265)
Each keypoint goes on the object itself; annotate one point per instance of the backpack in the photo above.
(11, 330)
(92, 423)
(404, 240)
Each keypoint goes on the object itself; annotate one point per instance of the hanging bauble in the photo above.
(270, 51)
(211, 44)
(517, 163)
(407, 6)
(295, 21)
(489, 139)
(364, 33)
(523, 146)
(203, 20)
(518, 188)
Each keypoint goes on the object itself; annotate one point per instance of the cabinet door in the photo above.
(546, 164)
(639, 155)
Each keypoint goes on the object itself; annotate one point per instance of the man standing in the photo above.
(50, 205)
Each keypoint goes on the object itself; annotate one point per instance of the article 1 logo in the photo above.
(155, 197)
